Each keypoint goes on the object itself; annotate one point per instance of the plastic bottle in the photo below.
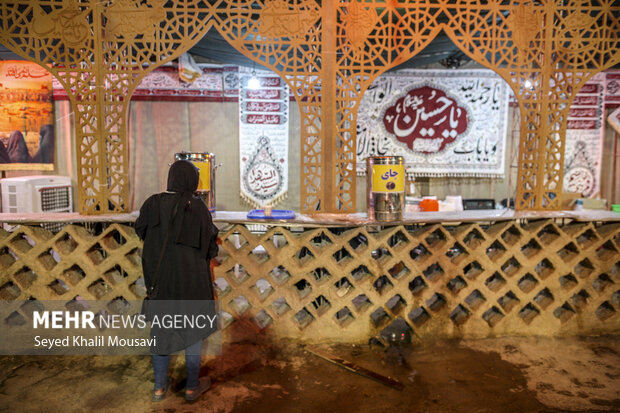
(578, 205)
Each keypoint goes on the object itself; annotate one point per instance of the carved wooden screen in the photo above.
(329, 55)
(99, 51)
(328, 52)
(546, 51)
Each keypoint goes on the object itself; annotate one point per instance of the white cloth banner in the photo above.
(443, 122)
(263, 138)
(584, 139)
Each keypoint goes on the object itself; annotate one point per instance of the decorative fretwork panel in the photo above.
(347, 284)
(329, 53)
(546, 51)
(99, 51)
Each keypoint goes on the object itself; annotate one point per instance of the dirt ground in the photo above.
(256, 375)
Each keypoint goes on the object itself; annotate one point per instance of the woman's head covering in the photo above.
(18, 151)
(4, 155)
(183, 179)
(45, 154)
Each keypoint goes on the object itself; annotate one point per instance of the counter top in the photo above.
(240, 217)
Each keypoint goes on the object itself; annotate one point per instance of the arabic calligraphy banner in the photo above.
(443, 122)
(612, 88)
(26, 120)
(216, 83)
(584, 139)
(263, 138)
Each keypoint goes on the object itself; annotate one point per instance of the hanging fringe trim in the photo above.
(411, 175)
(254, 204)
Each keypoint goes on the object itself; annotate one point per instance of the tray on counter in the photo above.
(275, 214)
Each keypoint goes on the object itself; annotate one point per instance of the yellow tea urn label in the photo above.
(388, 178)
(204, 175)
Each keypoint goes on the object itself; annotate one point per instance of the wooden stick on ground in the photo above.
(362, 371)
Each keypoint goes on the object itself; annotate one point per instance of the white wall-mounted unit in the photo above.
(39, 193)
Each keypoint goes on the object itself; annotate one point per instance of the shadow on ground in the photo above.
(255, 374)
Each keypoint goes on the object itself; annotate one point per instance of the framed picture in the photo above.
(26, 117)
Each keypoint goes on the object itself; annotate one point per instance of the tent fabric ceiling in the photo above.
(212, 48)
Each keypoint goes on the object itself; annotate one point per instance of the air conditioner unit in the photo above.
(39, 193)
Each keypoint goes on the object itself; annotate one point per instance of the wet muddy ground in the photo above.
(257, 375)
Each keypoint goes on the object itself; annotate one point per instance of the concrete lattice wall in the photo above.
(346, 284)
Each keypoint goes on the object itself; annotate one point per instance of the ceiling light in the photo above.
(253, 83)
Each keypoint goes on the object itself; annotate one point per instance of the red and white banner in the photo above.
(443, 122)
(586, 131)
(612, 88)
(263, 138)
(217, 83)
(584, 139)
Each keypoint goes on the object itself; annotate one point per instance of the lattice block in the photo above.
(333, 295)
(468, 280)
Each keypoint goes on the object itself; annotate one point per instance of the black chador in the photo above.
(183, 272)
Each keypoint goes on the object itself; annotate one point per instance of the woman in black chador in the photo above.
(45, 154)
(178, 272)
(4, 155)
(18, 151)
